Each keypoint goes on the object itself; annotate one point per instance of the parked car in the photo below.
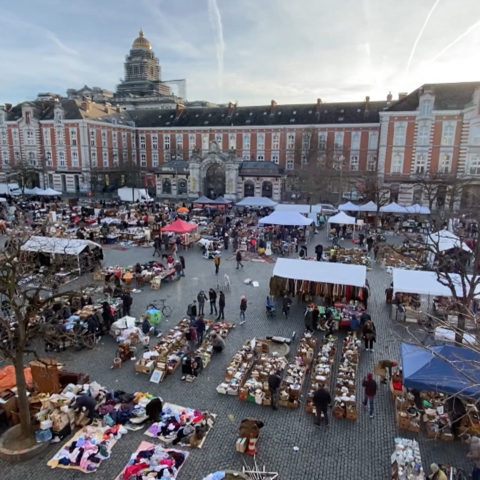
(328, 209)
(353, 196)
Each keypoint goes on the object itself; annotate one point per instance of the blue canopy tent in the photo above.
(447, 369)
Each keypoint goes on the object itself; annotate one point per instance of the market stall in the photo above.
(185, 229)
(336, 282)
(285, 218)
(68, 254)
(256, 202)
(441, 387)
(348, 207)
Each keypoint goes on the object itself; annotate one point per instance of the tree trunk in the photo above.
(23, 405)
(460, 329)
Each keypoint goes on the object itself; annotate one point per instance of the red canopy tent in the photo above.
(179, 226)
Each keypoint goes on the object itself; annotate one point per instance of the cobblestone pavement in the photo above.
(362, 447)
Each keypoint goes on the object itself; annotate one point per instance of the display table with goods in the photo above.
(406, 460)
(410, 257)
(355, 256)
(345, 399)
(321, 371)
(255, 388)
(295, 372)
(238, 369)
(407, 415)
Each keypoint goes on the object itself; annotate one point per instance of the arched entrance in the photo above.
(267, 189)
(248, 189)
(214, 185)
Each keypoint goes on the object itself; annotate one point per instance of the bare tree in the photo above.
(25, 291)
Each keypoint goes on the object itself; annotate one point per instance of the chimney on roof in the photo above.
(319, 101)
(273, 104)
(402, 95)
(178, 109)
(107, 107)
(389, 97)
(8, 107)
(231, 106)
(367, 103)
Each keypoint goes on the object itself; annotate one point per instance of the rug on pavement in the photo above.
(87, 449)
(183, 426)
(150, 458)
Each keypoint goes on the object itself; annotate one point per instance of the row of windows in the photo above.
(420, 164)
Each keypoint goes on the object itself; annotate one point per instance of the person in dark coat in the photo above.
(192, 311)
(321, 400)
(127, 301)
(369, 335)
(212, 297)
(309, 318)
(286, 304)
(274, 381)
(319, 252)
(107, 316)
(370, 387)
(238, 258)
(201, 327)
(154, 409)
(157, 246)
(221, 306)
(201, 297)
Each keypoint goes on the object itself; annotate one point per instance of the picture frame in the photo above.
(157, 376)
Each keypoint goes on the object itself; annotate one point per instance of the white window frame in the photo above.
(421, 163)
(290, 161)
(399, 133)
(322, 141)
(246, 155)
(371, 162)
(304, 157)
(448, 133)
(275, 157)
(114, 139)
(445, 162)
(179, 140)
(93, 138)
(29, 136)
(46, 137)
(339, 138)
(372, 140)
(48, 159)
(355, 140)
(154, 141)
(205, 141)
(5, 159)
(93, 159)
(143, 159)
(105, 161)
(423, 134)
(475, 134)
(192, 141)
(142, 141)
(246, 141)
(474, 164)
(75, 162)
(397, 162)
(154, 159)
(124, 140)
(116, 162)
(290, 141)
(219, 140)
(260, 156)
(61, 159)
(104, 138)
(354, 162)
(276, 141)
(426, 107)
(73, 137)
(232, 141)
(166, 142)
(260, 141)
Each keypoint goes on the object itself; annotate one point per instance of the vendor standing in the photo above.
(382, 367)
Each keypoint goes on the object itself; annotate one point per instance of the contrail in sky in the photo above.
(460, 37)
(216, 22)
(420, 33)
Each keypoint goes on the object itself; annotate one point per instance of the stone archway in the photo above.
(214, 180)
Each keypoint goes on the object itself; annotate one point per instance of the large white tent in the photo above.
(128, 194)
(444, 240)
(425, 283)
(298, 207)
(348, 207)
(393, 208)
(368, 207)
(342, 219)
(256, 202)
(57, 246)
(49, 192)
(285, 218)
(418, 209)
(326, 272)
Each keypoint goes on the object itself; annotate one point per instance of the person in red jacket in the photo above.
(370, 387)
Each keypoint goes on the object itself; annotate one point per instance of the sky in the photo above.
(245, 51)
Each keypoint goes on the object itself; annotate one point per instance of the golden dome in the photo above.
(141, 42)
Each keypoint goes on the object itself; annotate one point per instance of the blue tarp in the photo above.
(446, 369)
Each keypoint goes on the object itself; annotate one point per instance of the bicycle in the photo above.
(163, 307)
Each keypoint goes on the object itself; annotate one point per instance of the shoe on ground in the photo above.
(372, 350)
(371, 416)
(242, 322)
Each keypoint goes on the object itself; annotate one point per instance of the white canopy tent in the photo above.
(393, 208)
(298, 207)
(418, 209)
(368, 207)
(49, 192)
(57, 246)
(256, 202)
(444, 240)
(128, 194)
(425, 283)
(326, 272)
(348, 207)
(342, 219)
(285, 218)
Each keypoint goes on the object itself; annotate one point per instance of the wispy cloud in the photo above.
(216, 23)
(51, 36)
(420, 33)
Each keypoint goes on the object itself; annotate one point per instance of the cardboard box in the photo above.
(144, 367)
